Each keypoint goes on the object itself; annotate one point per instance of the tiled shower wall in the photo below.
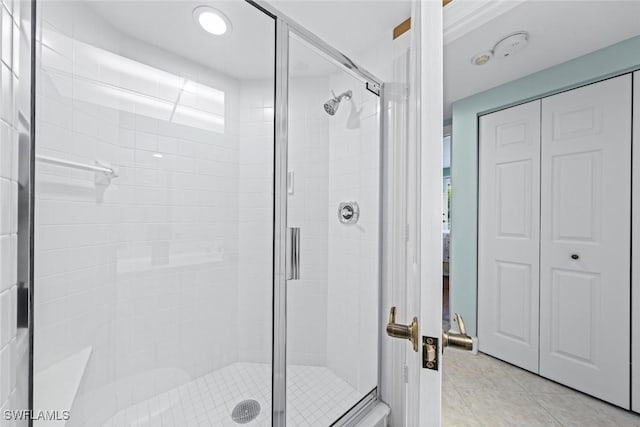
(13, 342)
(308, 164)
(165, 272)
(353, 258)
(331, 159)
(255, 221)
(140, 270)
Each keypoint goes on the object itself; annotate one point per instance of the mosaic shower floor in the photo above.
(315, 397)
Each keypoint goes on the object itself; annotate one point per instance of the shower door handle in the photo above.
(294, 253)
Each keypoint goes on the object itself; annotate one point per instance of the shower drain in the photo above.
(245, 411)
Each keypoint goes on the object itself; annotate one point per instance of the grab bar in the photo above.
(71, 164)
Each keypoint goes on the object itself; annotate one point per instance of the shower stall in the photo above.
(208, 223)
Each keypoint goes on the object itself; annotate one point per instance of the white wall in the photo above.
(10, 342)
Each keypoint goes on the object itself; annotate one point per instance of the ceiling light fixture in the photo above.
(482, 58)
(212, 20)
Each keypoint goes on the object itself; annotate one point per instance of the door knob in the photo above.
(409, 332)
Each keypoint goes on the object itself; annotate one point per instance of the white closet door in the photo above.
(508, 234)
(585, 239)
(635, 269)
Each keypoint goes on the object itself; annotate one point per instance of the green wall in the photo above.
(616, 59)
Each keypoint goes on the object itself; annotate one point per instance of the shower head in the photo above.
(331, 106)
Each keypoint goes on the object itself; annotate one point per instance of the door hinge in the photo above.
(373, 88)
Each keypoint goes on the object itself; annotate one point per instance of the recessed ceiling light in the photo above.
(481, 58)
(212, 20)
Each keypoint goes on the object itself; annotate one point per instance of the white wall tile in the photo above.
(7, 37)
(6, 263)
(5, 317)
(353, 250)
(6, 151)
(5, 206)
(143, 270)
(254, 199)
(308, 160)
(7, 112)
(8, 205)
(146, 141)
(5, 372)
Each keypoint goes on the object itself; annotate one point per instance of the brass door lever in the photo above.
(459, 340)
(430, 346)
(409, 332)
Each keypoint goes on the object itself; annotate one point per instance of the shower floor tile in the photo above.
(315, 397)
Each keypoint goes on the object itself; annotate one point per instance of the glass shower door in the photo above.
(333, 214)
(154, 213)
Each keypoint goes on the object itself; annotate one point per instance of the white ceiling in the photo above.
(559, 31)
(349, 25)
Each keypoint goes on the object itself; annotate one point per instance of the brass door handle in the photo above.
(458, 340)
(409, 332)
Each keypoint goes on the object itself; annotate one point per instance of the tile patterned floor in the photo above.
(482, 391)
(316, 397)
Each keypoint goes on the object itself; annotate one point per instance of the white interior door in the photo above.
(585, 239)
(508, 236)
(424, 252)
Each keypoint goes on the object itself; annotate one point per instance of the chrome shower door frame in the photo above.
(285, 27)
(279, 332)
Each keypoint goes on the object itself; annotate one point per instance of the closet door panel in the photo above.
(584, 238)
(508, 241)
(635, 269)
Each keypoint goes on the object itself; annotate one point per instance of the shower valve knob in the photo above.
(348, 212)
